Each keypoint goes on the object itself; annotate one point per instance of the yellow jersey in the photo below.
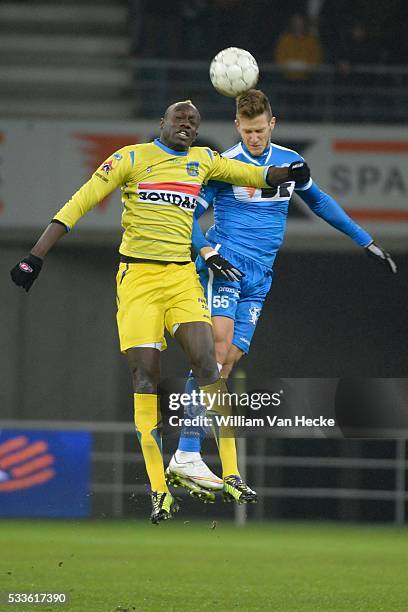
(160, 188)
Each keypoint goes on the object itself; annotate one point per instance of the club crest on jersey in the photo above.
(254, 313)
(107, 167)
(193, 168)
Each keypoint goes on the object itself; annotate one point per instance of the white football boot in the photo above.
(189, 471)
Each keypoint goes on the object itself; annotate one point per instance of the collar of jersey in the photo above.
(158, 143)
(262, 160)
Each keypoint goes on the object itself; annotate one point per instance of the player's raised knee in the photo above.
(145, 379)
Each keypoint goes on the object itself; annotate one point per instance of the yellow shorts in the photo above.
(155, 296)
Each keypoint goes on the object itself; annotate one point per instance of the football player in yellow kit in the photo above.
(157, 284)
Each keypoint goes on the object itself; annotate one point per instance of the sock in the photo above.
(148, 423)
(185, 456)
(191, 437)
(224, 435)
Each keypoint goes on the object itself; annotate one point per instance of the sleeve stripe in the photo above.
(203, 202)
(265, 174)
(58, 222)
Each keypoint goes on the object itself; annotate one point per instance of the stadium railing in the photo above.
(121, 87)
(115, 455)
(368, 93)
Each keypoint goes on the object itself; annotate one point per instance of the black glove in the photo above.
(378, 253)
(222, 267)
(26, 271)
(299, 172)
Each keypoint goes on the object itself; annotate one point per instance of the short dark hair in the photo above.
(253, 103)
(180, 103)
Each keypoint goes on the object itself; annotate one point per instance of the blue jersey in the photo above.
(252, 221)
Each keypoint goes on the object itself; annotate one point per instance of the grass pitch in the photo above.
(187, 566)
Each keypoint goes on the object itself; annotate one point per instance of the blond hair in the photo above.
(253, 103)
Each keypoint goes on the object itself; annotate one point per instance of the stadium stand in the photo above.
(61, 58)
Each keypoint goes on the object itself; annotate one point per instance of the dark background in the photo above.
(328, 315)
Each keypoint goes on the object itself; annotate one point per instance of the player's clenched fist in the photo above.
(299, 172)
(26, 271)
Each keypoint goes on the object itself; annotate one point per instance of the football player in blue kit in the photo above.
(249, 227)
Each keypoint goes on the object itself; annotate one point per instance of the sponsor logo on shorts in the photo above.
(254, 313)
(245, 341)
(204, 306)
(229, 290)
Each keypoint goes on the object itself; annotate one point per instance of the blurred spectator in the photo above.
(156, 28)
(226, 27)
(197, 18)
(298, 50)
(334, 17)
(393, 35)
(135, 20)
(384, 25)
(356, 47)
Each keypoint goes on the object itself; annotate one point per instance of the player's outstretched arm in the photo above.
(101, 184)
(248, 175)
(326, 207)
(50, 236)
(24, 273)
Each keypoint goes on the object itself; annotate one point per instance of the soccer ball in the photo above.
(233, 71)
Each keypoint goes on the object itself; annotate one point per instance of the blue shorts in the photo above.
(241, 301)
